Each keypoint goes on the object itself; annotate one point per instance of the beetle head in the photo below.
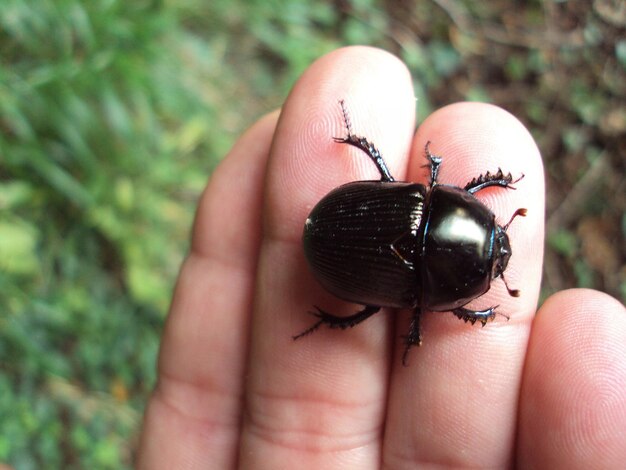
(503, 252)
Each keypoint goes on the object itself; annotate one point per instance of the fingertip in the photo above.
(574, 322)
(350, 69)
(573, 405)
(574, 301)
(579, 318)
(306, 162)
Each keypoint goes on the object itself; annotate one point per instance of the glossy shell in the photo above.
(401, 245)
(457, 254)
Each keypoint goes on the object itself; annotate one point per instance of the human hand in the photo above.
(234, 390)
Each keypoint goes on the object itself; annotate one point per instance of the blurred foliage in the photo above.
(113, 113)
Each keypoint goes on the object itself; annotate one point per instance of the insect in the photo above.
(388, 243)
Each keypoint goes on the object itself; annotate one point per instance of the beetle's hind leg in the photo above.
(486, 180)
(365, 145)
(334, 321)
(472, 316)
(414, 338)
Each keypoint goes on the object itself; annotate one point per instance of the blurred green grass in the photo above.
(113, 114)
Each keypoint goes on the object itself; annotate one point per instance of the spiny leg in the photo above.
(334, 321)
(434, 162)
(486, 180)
(365, 145)
(472, 316)
(414, 337)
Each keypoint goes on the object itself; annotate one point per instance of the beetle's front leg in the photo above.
(472, 316)
(334, 321)
(486, 180)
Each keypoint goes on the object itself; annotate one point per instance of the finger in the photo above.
(456, 402)
(319, 402)
(193, 417)
(573, 405)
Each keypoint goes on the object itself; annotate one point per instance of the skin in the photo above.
(545, 389)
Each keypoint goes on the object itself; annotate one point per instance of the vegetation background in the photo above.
(113, 114)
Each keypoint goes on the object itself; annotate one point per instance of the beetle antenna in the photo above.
(512, 292)
(521, 212)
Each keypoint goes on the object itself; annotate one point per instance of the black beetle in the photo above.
(396, 244)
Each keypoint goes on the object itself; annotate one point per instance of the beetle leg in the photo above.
(334, 321)
(414, 337)
(371, 151)
(486, 180)
(365, 145)
(472, 316)
(434, 162)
